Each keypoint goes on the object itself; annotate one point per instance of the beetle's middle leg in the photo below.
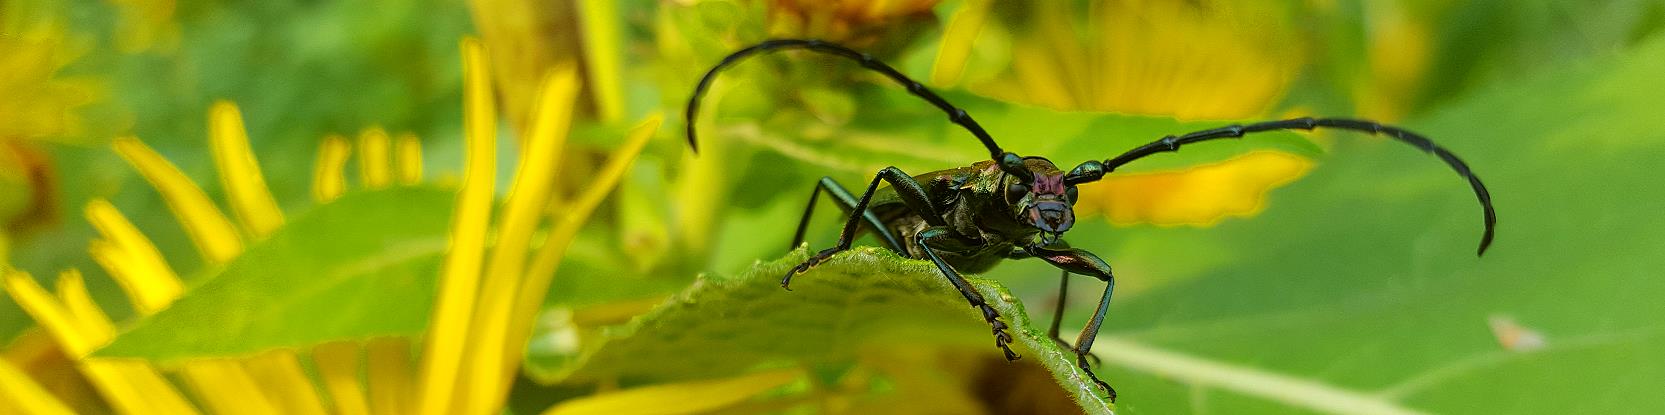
(913, 196)
(847, 202)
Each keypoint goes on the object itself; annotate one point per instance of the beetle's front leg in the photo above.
(1063, 294)
(1085, 263)
(940, 237)
(913, 196)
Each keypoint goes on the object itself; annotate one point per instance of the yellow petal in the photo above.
(24, 395)
(280, 377)
(132, 260)
(697, 397)
(115, 387)
(390, 375)
(957, 40)
(1201, 195)
(79, 326)
(134, 387)
(157, 390)
(601, 55)
(407, 154)
(542, 271)
(1161, 58)
(489, 375)
(240, 172)
(338, 366)
(72, 290)
(226, 388)
(459, 278)
(49, 313)
(1039, 81)
(208, 228)
(329, 177)
(374, 161)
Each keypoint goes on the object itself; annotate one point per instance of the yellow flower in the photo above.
(488, 297)
(529, 39)
(39, 104)
(1213, 60)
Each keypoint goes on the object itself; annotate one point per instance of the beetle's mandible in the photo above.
(967, 219)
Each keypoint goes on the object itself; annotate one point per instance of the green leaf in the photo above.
(1360, 279)
(361, 266)
(860, 302)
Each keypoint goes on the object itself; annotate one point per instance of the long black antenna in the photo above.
(1087, 172)
(955, 114)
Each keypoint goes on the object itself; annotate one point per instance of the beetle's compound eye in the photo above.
(1071, 194)
(1015, 192)
(1013, 165)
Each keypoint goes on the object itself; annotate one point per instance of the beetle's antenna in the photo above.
(955, 114)
(1093, 170)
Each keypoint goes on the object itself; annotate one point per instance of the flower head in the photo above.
(1210, 60)
(488, 296)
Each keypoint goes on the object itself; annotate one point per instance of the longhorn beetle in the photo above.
(968, 219)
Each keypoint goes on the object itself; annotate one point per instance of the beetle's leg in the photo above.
(913, 196)
(938, 237)
(847, 202)
(1058, 310)
(1085, 263)
(1063, 297)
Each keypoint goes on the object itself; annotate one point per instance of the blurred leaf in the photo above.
(1359, 278)
(1489, 40)
(861, 300)
(359, 267)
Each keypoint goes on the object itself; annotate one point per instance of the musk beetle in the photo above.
(967, 219)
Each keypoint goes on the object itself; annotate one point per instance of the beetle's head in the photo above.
(1042, 200)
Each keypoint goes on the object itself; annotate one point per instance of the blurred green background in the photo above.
(1346, 263)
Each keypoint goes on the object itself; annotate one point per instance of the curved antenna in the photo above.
(955, 114)
(1093, 170)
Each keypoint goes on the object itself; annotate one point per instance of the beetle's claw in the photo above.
(811, 262)
(786, 282)
(1081, 362)
(1001, 337)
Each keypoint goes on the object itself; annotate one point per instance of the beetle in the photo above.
(967, 219)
